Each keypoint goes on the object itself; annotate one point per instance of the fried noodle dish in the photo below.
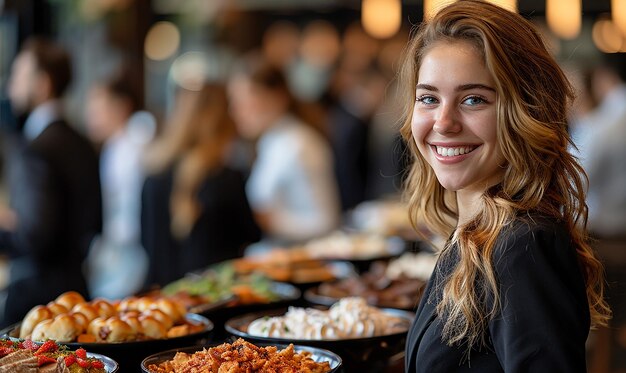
(242, 357)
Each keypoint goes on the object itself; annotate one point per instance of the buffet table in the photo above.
(345, 300)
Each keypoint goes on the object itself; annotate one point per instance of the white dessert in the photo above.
(349, 318)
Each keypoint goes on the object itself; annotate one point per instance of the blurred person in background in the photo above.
(602, 152)
(54, 188)
(291, 188)
(117, 264)
(359, 95)
(194, 208)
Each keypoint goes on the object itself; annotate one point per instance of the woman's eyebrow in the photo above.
(427, 87)
(463, 87)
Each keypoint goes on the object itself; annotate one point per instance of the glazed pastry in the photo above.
(127, 304)
(102, 321)
(86, 309)
(57, 308)
(174, 310)
(161, 316)
(33, 317)
(132, 319)
(111, 330)
(104, 308)
(70, 299)
(81, 320)
(62, 328)
(152, 328)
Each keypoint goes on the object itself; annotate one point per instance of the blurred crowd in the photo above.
(276, 152)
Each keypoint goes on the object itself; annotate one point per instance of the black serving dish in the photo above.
(110, 365)
(317, 354)
(130, 354)
(313, 296)
(396, 246)
(370, 354)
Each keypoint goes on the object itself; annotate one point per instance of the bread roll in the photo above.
(95, 326)
(111, 330)
(143, 304)
(174, 310)
(120, 331)
(33, 317)
(57, 308)
(104, 308)
(152, 328)
(86, 309)
(132, 319)
(127, 304)
(81, 320)
(62, 328)
(70, 299)
(161, 317)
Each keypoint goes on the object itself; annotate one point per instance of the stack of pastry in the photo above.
(70, 318)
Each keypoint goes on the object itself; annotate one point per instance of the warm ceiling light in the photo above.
(162, 41)
(564, 17)
(431, 7)
(607, 37)
(618, 13)
(381, 18)
(190, 70)
(506, 4)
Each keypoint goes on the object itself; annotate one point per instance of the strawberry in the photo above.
(69, 360)
(29, 345)
(83, 363)
(48, 346)
(81, 353)
(4, 351)
(6, 343)
(97, 364)
(43, 360)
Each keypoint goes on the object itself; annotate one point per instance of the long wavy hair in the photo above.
(194, 144)
(540, 174)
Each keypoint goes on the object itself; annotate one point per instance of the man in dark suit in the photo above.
(53, 183)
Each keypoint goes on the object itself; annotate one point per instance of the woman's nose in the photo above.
(446, 121)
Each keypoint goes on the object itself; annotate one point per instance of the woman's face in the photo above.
(454, 118)
(253, 108)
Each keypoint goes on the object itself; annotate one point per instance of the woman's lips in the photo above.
(452, 154)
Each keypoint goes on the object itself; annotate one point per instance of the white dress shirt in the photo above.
(292, 179)
(603, 156)
(40, 118)
(117, 262)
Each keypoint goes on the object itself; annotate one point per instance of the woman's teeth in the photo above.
(450, 152)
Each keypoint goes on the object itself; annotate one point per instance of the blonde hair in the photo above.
(540, 174)
(193, 143)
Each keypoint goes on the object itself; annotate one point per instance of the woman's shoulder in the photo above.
(530, 226)
(532, 236)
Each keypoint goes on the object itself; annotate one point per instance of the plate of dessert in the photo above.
(364, 336)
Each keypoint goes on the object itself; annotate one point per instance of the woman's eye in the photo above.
(427, 100)
(474, 100)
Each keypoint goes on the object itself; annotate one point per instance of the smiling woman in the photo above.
(454, 121)
(517, 286)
